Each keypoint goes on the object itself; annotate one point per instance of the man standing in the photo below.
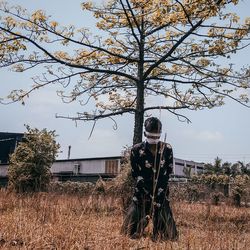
(152, 163)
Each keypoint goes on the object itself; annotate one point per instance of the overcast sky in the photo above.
(223, 132)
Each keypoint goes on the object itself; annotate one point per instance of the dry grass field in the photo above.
(52, 221)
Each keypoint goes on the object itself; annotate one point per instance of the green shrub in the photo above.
(29, 168)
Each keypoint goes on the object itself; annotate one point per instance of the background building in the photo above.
(187, 168)
(85, 169)
(8, 143)
(91, 169)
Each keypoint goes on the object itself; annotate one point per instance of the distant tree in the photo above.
(215, 168)
(244, 168)
(169, 50)
(234, 178)
(235, 169)
(29, 168)
(226, 168)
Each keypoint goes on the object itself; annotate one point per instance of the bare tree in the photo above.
(168, 50)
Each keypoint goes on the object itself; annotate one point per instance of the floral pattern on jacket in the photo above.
(151, 172)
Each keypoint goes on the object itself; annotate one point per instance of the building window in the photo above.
(200, 168)
(111, 166)
(179, 163)
(190, 166)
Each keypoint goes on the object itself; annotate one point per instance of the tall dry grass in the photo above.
(54, 221)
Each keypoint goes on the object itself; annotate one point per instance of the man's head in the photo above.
(152, 131)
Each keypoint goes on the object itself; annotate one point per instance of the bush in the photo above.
(70, 187)
(192, 193)
(240, 188)
(29, 168)
(100, 187)
(123, 185)
(216, 198)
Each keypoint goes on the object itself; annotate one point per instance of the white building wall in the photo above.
(180, 164)
(85, 167)
(178, 170)
(97, 166)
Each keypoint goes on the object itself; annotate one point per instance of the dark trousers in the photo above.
(137, 218)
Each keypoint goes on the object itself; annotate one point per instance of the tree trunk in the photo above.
(139, 115)
(138, 127)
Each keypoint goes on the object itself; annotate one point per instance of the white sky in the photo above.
(223, 132)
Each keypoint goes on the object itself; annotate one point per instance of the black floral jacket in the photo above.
(151, 172)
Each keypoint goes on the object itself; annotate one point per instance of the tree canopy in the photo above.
(174, 51)
(227, 168)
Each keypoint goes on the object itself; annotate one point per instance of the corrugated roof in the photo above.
(89, 159)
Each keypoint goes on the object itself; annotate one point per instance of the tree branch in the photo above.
(67, 63)
(92, 117)
(169, 53)
(75, 41)
(130, 24)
